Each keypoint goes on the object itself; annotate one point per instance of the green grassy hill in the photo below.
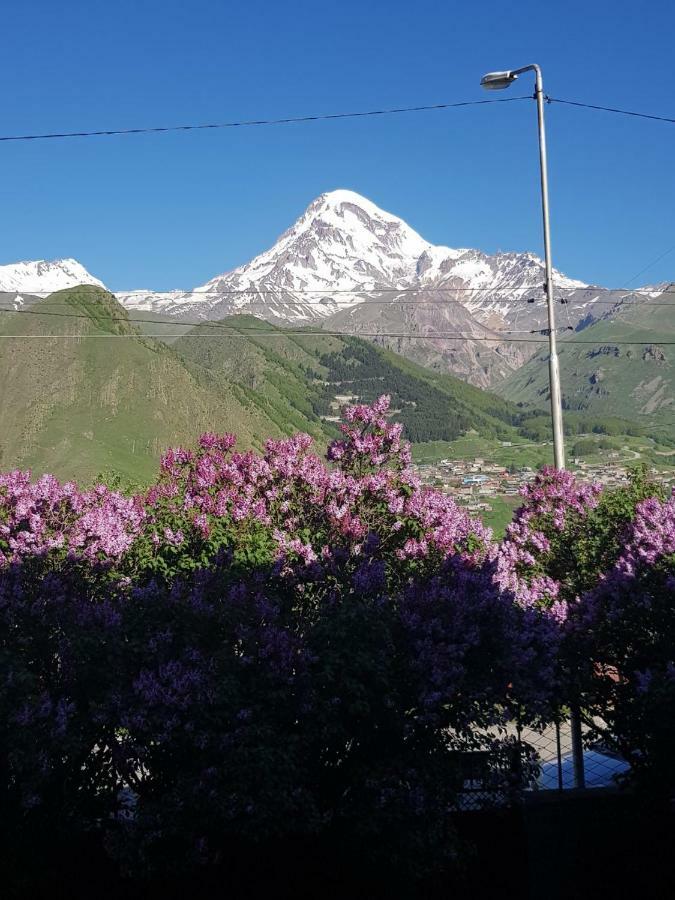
(83, 390)
(299, 374)
(624, 368)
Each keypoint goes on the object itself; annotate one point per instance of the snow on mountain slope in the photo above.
(41, 277)
(344, 244)
(341, 242)
(349, 265)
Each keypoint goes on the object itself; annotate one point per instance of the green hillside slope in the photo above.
(624, 367)
(81, 391)
(291, 372)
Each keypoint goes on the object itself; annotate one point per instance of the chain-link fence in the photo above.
(553, 748)
(542, 759)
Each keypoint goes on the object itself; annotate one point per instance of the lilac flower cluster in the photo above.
(651, 540)
(368, 505)
(554, 505)
(370, 439)
(45, 517)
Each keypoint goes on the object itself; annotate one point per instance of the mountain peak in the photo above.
(43, 276)
(354, 210)
(351, 228)
(342, 196)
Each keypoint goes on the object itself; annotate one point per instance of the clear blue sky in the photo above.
(174, 210)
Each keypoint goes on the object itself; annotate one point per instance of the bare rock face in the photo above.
(653, 354)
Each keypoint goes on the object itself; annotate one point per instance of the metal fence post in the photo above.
(577, 746)
(558, 748)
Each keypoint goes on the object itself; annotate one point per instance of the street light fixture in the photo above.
(497, 81)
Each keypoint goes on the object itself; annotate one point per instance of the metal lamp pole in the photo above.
(497, 81)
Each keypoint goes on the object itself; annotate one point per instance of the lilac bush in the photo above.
(601, 562)
(261, 646)
(627, 628)
(566, 536)
(280, 705)
(59, 652)
(367, 511)
(59, 618)
(46, 518)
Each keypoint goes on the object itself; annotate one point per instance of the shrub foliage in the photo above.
(270, 646)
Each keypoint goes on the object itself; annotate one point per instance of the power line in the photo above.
(649, 265)
(286, 332)
(439, 335)
(330, 291)
(619, 343)
(207, 324)
(611, 109)
(197, 324)
(355, 291)
(292, 120)
(228, 330)
(448, 302)
(619, 301)
(441, 303)
(367, 303)
(181, 294)
(252, 334)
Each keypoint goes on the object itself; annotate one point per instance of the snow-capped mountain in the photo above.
(344, 244)
(349, 265)
(41, 277)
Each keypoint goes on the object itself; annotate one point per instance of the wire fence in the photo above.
(553, 748)
(541, 760)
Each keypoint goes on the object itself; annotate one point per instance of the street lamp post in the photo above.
(497, 81)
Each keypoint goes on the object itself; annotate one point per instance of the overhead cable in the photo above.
(290, 120)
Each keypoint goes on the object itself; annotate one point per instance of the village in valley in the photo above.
(480, 485)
